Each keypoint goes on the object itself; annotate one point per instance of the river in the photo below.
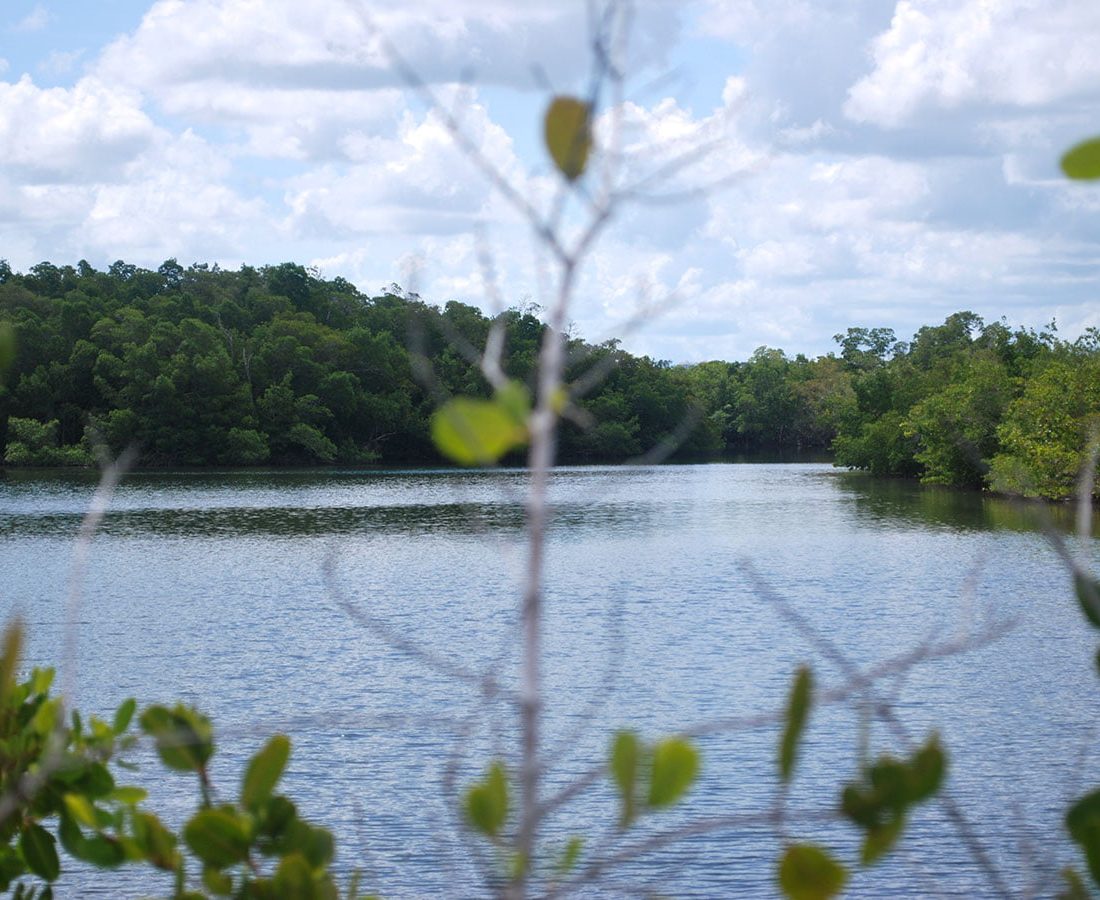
(662, 613)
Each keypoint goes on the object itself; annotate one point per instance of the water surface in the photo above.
(208, 587)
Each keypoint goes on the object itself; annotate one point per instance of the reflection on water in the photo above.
(207, 587)
(923, 505)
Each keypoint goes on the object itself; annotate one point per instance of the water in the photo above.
(661, 614)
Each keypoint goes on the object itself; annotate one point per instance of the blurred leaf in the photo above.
(97, 780)
(129, 795)
(1088, 595)
(626, 758)
(217, 837)
(219, 883)
(475, 432)
(183, 736)
(81, 809)
(487, 802)
(514, 398)
(879, 839)
(315, 844)
(264, 771)
(156, 842)
(798, 710)
(1083, 822)
(675, 766)
(123, 716)
(1075, 888)
(294, 878)
(570, 854)
(926, 770)
(10, 650)
(38, 848)
(568, 135)
(807, 872)
(100, 850)
(1082, 162)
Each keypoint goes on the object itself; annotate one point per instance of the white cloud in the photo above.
(945, 54)
(66, 134)
(416, 182)
(37, 19)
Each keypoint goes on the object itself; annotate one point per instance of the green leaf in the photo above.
(1083, 823)
(626, 758)
(1075, 888)
(38, 848)
(219, 883)
(96, 781)
(129, 795)
(926, 771)
(123, 715)
(183, 736)
(294, 878)
(1082, 162)
(315, 844)
(798, 710)
(100, 850)
(475, 432)
(880, 839)
(10, 649)
(675, 767)
(157, 843)
(1088, 595)
(514, 398)
(487, 802)
(808, 872)
(567, 130)
(81, 809)
(570, 855)
(264, 771)
(217, 837)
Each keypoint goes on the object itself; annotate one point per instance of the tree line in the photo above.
(277, 365)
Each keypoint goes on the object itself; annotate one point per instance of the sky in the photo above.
(853, 162)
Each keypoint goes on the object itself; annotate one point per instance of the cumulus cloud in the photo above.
(65, 134)
(946, 54)
(416, 182)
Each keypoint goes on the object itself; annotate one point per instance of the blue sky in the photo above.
(885, 163)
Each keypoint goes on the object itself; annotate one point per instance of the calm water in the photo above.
(209, 588)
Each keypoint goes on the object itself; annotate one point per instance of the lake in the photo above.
(209, 588)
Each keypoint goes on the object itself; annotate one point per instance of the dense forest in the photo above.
(277, 365)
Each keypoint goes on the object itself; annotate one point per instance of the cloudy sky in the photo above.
(867, 162)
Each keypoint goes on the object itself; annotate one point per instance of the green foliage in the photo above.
(1046, 431)
(808, 872)
(653, 777)
(971, 404)
(277, 366)
(68, 796)
(798, 711)
(880, 802)
(34, 443)
(184, 738)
